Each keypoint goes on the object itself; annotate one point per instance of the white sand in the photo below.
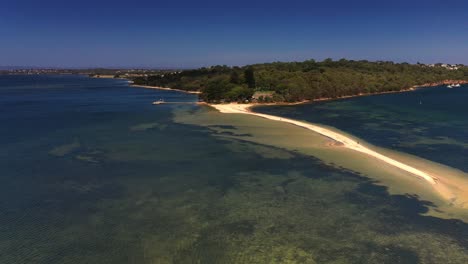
(346, 141)
(165, 88)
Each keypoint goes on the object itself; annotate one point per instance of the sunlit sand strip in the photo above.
(165, 88)
(346, 141)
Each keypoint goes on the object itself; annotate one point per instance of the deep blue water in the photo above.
(431, 123)
(92, 172)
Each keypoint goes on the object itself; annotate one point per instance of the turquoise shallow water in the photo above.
(91, 172)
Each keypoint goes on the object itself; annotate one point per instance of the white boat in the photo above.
(160, 101)
(456, 85)
(449, 86)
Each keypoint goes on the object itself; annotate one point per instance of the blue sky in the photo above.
(200, 33)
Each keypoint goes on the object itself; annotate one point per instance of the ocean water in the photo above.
(91, 172)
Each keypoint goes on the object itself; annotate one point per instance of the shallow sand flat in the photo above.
(344, 140)
(447, 183)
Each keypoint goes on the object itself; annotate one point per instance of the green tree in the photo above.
(216, 89)
(293, 81)
(239, 94)
(234, 78)
(249, 75)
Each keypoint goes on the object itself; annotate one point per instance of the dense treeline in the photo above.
(296, 81)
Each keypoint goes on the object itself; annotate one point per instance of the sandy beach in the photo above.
(449, 190)
(165, 88)
(144, 86)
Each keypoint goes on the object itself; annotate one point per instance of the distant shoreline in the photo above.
(412, 88)
(144, 86)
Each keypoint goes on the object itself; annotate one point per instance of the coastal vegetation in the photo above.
(298, 81)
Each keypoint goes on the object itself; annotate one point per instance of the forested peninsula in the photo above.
(308, 80)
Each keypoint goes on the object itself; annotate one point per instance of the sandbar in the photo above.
(442, 185)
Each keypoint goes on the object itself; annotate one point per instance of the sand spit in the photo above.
(443, 186)
(165, 88)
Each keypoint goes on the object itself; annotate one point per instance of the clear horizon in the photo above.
(27, 67)
(104, 34)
